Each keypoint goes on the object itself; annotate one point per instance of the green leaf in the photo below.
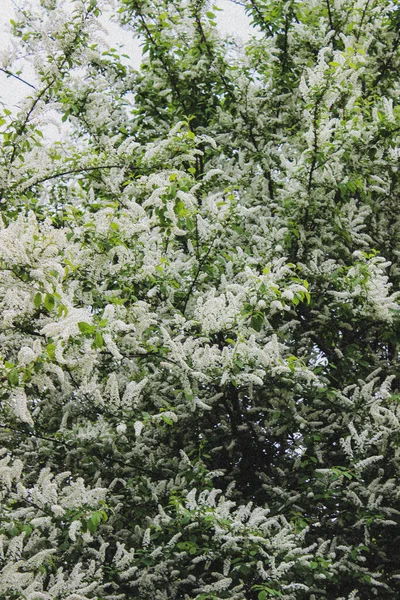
(244, 569)
(98, 340)
(51, 351)
(62, 310)
(86, 328)
(27, 528)
(104, 516)
(49, 302)
(167, 419)
(257, 321)
(91, 526)
(96, 518)
(13, 377)
(37, 301)
(190, 224)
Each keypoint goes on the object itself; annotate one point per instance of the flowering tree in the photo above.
(199, 317)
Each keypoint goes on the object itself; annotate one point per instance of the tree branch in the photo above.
(74, 172)
(7, 72)
(261, 17)
(328, 5)
(35, 435)
(203, 260)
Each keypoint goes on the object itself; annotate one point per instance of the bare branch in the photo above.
(7, 72)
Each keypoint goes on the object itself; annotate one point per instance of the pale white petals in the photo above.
(138, 428)
(20, 406)
(74, 529)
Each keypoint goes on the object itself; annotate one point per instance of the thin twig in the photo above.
(75, 172)
(330, 15)
(203, 260)
(261, 17)
(36, 435)
(7, 72)
(362, 20)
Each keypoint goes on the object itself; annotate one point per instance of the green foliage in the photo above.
(199, 301)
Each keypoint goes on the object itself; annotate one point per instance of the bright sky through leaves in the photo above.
(231, 21)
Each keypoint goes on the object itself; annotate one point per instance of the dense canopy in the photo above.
(199, 327)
